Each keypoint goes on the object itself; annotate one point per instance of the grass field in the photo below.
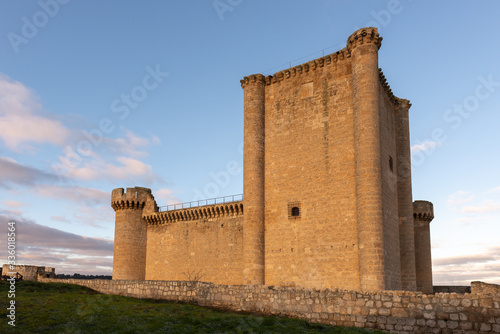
(67, 308)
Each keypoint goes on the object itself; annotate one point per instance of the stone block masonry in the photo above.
(392, 311)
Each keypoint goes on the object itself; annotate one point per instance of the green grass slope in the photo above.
(67, 308)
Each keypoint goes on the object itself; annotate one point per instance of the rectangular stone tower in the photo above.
(327, 184)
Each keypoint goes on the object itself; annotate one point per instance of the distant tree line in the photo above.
(79, 276)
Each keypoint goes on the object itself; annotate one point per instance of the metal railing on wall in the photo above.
(195, 204)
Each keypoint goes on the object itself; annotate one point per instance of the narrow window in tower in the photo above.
(294, 210)
(391, 164)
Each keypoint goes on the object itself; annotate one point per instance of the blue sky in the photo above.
(99, 95)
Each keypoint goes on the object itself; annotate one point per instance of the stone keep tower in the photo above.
(327, 190)
(327, 177)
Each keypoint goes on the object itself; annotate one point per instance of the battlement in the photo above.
(361, 36)
(364, 36)
(395, 100)
(134, 198)
(213, 211)
(299, 69)
(423, 210)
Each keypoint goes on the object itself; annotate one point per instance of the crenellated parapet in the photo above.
(203, 212)
(395, 100)
(252, 80)
(423, 211)
(298, 70)
(136, 198)
(362, 36)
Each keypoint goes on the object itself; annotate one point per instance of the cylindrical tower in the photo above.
(253, 178)
(405, 206)
(363, 46)
(129, 258)
(423, 213)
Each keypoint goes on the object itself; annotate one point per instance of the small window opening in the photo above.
(294, 210)
(391, 164)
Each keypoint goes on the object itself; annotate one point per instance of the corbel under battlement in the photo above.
(213, 211)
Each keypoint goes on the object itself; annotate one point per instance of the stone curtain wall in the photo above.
(394, 311)
(203, 250)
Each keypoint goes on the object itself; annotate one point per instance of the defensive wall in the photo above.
(29, 272)
(203, 242)
(393, 311)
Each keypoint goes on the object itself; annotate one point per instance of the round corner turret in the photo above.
(253, 79)
(129, 258)
(133, 198)
(364, 36)
(423, 210)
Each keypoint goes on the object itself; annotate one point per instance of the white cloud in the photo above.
(485, 206)
(425, 146)
(13, 204)
(494, 190)
(97, 169)
(22, 119)
(165, 196)
(462, 269)
(459, 198)
(111, 158)
(130, 144)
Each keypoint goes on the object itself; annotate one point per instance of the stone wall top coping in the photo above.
(213, 211)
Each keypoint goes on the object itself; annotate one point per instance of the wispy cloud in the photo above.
(111, 159)
(23, 122)
(46, 246)
(494, 190)
(13, 204)
(14, 173)
(165, 196)
(129, 144)
(459, 198)
(486, 206)
(77, 194)
(425, 146)
(466, 268)
(473, 258)
(122, 168)
(95, 216)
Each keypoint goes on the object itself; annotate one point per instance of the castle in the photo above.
(327, 199)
